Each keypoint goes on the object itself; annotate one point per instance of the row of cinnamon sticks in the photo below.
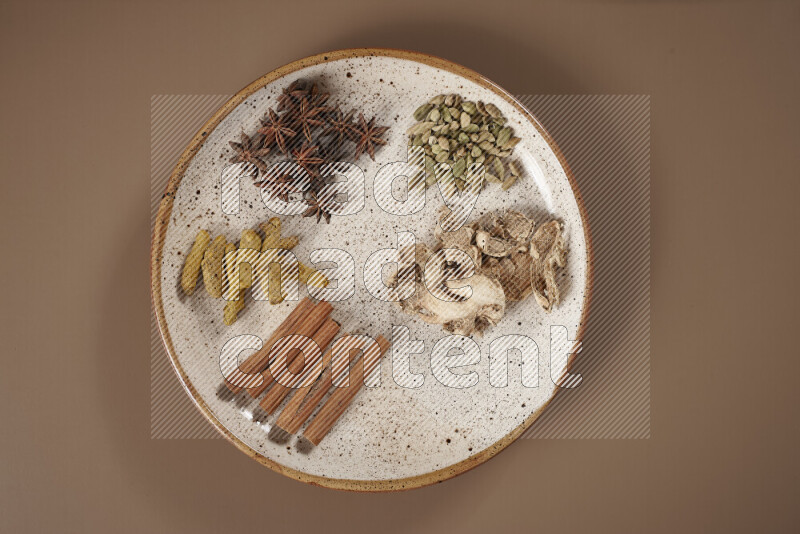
(288, 365)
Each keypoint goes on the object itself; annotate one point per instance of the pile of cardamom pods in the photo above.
(461, 132)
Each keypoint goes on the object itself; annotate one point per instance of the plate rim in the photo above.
(162, 222)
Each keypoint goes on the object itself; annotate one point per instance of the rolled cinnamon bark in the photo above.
(300, 369)
(296, 413)
(341, 397)
(259, 360)
(307, 326)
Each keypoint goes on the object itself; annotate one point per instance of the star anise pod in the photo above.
(330, 150)
(316, 207)
(250, 150)
(276, 129)
(281, 186)
(340, 125)
(301, 107)
(308, 115)
(292, 94)
(317, 97)
(306, 157)
(367, 136)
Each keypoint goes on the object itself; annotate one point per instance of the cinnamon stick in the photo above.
(341, 398)
(258, 361)
(296, 413)
(307, 326)
(300, 369)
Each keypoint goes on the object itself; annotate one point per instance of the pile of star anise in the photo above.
(307, 131)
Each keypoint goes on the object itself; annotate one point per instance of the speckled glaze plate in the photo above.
(391, 437)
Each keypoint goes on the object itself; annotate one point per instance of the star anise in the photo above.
(340, 125)
(292, 94)
(316, 207)
(330, 150)
(317, 97)
(308, 115)
(281, 186)
(302, 107)
(306, 158)
(276, 129)
(368, 135)
(250, 150)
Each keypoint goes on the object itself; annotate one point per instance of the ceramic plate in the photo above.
(391, 437)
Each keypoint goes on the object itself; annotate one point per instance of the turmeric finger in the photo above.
(312, 277)
(272, 233)
(232, 309)
(231, 260)
(191, 269)
(212, 267)
(249, 242)
(288, 243)
(275, 288)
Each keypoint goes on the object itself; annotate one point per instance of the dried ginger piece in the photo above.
(513, 272)
(462, 239)
(505, 247)
(504, 240)
(548, 252)
(485, 307)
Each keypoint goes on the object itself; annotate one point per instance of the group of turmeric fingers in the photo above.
(227, 267)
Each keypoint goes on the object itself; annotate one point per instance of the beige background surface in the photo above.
(724, 80)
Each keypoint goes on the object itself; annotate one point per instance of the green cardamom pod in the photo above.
(493, 110)
(459, 167)
(499, 170)
(445, 113)
(419, 128)
(422, 112)
(503, 137)
(508, 182)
